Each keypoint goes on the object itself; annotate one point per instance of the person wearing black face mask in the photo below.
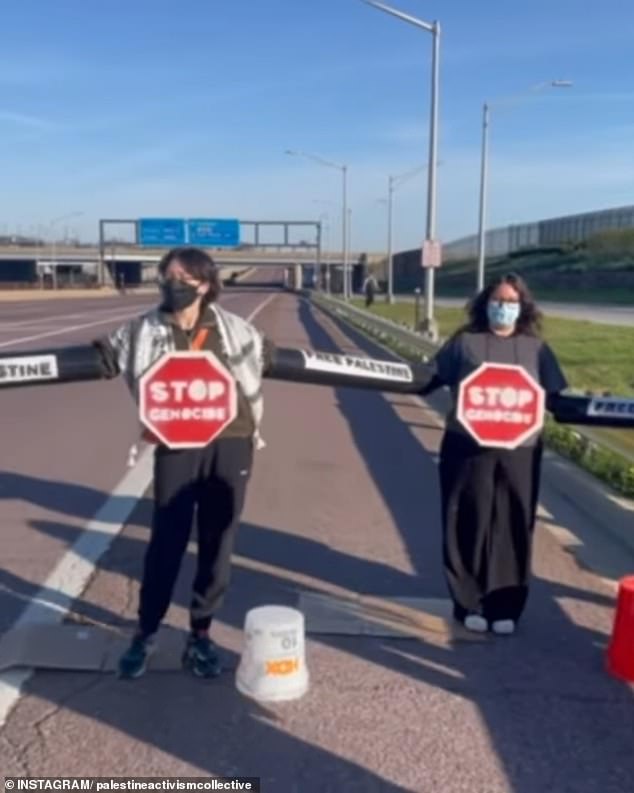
(489, 495)
(178, 295)
(209, 482)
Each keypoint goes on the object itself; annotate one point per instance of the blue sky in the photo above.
(134, 108)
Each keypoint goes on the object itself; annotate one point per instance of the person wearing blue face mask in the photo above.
(489, 495)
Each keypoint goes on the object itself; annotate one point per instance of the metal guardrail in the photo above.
(379, 327)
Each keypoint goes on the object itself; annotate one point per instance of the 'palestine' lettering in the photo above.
(353, 366)
(28, 368)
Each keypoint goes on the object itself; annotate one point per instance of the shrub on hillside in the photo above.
(606, 465)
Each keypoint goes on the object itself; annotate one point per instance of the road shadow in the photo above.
(562, 504)
(543, 695)
(549, 708)
(211, 728)
(515, 684)
(67, 498)
(396, 462)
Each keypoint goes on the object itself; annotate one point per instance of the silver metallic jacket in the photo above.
(142, 341)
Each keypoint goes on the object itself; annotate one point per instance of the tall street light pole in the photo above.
(390, 230)
(483, 196)
(347, 281)
(344, 214)
(392, 183)
(484, 172)
(433, 28)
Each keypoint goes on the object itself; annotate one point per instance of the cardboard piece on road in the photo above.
(81, 648)
(427, 619)
(54, 647)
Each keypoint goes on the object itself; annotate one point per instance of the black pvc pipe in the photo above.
(50, 366)
(340, 369)
(593, 411)
(84, 362)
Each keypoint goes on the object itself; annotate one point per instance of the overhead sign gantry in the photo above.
(214, 233)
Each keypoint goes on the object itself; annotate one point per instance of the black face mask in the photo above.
(177, 295)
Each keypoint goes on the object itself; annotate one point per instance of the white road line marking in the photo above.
(69, 578)
(72, 573)
(261, 307)
(50, 318)
(69, 329)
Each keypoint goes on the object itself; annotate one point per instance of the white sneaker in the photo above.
(503, 627)
(476, 623)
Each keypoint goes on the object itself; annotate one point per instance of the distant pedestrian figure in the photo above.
(489, 495)
(370, 287)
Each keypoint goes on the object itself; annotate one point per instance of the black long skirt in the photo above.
(489, 504)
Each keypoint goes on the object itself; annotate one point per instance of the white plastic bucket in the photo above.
(273, 663)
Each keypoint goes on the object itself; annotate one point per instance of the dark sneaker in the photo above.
(133, 662)
(201, 657)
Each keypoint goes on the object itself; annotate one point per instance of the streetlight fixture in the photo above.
(344, 216)
(484, 168)
(430, 236)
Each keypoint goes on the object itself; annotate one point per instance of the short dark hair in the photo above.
(197, 263)
(530, 320)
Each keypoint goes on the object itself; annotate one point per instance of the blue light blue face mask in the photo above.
(503, 315)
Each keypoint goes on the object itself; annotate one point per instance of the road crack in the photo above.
(40, 739)
(17, 753)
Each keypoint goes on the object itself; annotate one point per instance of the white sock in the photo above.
(476, 623)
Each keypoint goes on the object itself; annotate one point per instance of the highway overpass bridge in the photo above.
(135, 266)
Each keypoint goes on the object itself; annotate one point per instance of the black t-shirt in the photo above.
(466, 351)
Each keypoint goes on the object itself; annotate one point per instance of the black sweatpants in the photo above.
(209, 484)
(489, 504)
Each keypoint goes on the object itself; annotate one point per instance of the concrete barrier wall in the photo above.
(551, 231)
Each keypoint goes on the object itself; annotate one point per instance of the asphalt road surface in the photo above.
(343, 497)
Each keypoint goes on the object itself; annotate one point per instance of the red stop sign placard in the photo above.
(186, 399)
(501, 405)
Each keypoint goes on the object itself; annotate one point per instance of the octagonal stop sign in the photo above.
(501, 405)
(186, 399)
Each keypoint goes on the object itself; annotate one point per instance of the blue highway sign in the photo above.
(214, 232)
(161, 231)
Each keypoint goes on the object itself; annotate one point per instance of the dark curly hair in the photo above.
(197, 263)
(530, 320)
